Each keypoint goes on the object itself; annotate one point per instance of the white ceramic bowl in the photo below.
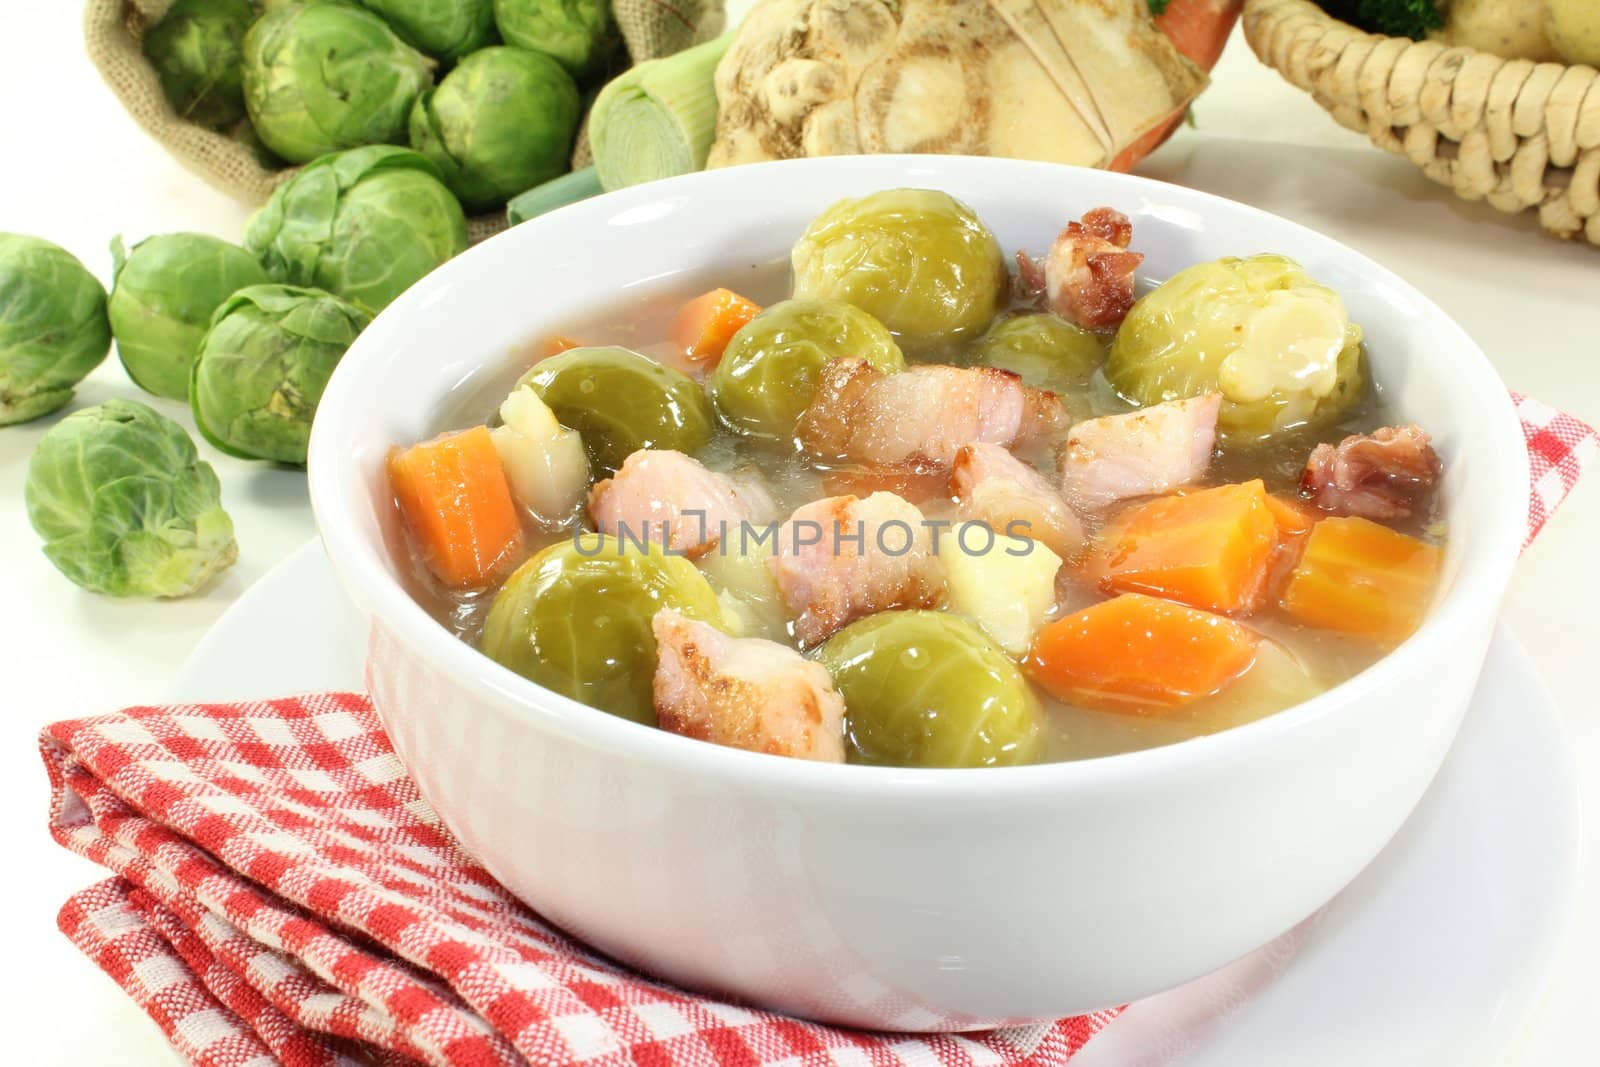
(875, 897)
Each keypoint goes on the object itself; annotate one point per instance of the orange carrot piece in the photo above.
(1210, 549)
(1295, 518)
(456, 502)
(1360, 578)
(556, 344)
(1140, 654)
(707, 323)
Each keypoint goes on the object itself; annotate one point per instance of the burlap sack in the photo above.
(114, 33)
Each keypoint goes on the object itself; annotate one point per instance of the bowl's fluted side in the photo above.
(915, 910)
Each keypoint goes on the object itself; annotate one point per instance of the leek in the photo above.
(657, 119)
(557, 192)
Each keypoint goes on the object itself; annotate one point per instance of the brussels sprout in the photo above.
(752, 604)
(162, 299)
(125, 505)
(927, 689)
(263, 365)
(197, 48)
(1279, 347)
(578, 34)
(499, 124)
(768, 373)
(1045, 351)
(918, 260)
(328, 75)
(576, 619)
(53, 327)
(448, 29)
(363, 224)
(621, 402)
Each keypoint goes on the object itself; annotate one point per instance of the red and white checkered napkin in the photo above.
(1560, 447)
(283, 892)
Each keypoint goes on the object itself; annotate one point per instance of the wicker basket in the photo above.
(1513, 132)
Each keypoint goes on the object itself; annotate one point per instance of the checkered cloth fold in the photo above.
(283, 891)
(1560, 448)
(283, 894)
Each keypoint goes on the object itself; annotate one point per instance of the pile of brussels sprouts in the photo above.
(306, 78)
(247, 336)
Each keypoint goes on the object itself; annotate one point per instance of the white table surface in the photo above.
(75, 170)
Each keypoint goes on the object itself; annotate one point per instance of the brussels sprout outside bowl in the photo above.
(1060, 887)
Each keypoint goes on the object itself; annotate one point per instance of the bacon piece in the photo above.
(1087, 277)
(744, 692)
(920, 417)
(915, 486)
(1153, 450)
(997, 488)
(1382, 475)
(669, 499)
(840, 558)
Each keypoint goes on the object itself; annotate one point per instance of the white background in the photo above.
(75, 170)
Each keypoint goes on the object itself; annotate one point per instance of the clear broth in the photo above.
(1295, 664)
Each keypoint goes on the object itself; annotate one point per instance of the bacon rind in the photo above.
(920, 417)
(744, 693)
(671, 499)
(1088, 275)
(1382, 475)
(1108, 224)
(846, 575)
(1152, 450)
(994, 487)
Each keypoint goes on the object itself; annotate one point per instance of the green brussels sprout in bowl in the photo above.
(768, 373)
(197, 49)
(263, 365)
(53, 327)
(1046, 352)
(576, 619)
(363, 224)
(328, 75)
(918, 260)
(447, 29)
(929, 689)
(163, 295)
(499, 124)
(621, 402)
(1279, 347)
(578, 34)
(125, 505)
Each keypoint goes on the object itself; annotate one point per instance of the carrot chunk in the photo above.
(707, 323)
(1140, 654)
(456, 502)
(1360, 578)
(1295, 518)
(1210, 549)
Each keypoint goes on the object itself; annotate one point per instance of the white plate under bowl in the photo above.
(1435, 955)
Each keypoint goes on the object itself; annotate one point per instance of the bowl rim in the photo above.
(1478, 586)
